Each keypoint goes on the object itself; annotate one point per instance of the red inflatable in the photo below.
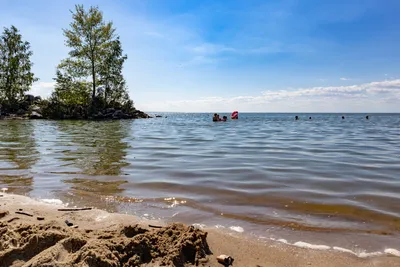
(235, 115)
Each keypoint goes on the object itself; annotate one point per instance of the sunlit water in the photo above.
(328, 180)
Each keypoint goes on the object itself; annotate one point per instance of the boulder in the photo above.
(140, 115)
(35, 115)
(118, 114)
(109, 110)
(36, 108)
(37, 99)
(98, 116)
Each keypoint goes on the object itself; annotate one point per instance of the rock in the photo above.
(225, 260)
(40, 218)
(140, 115)
(98, 116)
(158, 116)
(110, 110)
(35, 115)
(118, 114)
(21, 112)
(29, 98)
(37, 99)
(36, 109)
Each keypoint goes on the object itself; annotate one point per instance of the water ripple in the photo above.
(264, 170)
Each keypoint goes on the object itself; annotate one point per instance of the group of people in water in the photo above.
(234, 116)
(297, 118)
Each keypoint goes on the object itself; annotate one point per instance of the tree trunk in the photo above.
(94, 81)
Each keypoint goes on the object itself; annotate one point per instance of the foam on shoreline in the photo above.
(300, 244)
(228, 240)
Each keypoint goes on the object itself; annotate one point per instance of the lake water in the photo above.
(327, 180)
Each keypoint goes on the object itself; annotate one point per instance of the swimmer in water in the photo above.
(224, 118)
(216, 117)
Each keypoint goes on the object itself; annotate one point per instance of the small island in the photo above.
(89, 83)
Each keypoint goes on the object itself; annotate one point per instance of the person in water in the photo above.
(216, 117)
(224, 118)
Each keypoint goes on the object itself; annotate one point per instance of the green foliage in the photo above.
(112, 82)
(71, 92)
(16, 77)
(90, 39)
(91, 77)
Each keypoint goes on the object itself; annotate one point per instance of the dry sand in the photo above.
(106, 239)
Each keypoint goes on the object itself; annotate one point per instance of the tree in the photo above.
(91, 39)
(110, 75)
(16, 77)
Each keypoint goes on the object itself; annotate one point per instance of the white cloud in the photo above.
(42, 89)
(383, 96)
(345, 79)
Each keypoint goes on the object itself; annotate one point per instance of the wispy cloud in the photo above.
(209, 48)
(374, 96)
(345, 79)
(154, 34)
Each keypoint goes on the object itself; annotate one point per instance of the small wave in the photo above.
(54, 201)
(199, 225)
(237, 229)
(391, 251)
(301, 244)
(360, 254)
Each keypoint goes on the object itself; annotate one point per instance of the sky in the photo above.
(225, 55)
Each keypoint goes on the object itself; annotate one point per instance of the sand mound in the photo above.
(53, 245)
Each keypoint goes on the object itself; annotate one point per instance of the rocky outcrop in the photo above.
(33, 107)
(140, 115)
(35, 115)
(36, 109)
(116, 114)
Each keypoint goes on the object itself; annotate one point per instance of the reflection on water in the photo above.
(262, 172)
(96, 148)
(93, 156)
(17, 155)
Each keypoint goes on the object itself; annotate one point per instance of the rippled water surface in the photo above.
(265, 173)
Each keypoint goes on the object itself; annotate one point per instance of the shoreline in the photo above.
(245, 251)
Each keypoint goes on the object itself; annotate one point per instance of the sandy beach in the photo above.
(34, 233)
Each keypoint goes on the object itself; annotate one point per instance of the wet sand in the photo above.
(41, 237)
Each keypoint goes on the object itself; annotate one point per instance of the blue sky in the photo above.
(217, 55)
